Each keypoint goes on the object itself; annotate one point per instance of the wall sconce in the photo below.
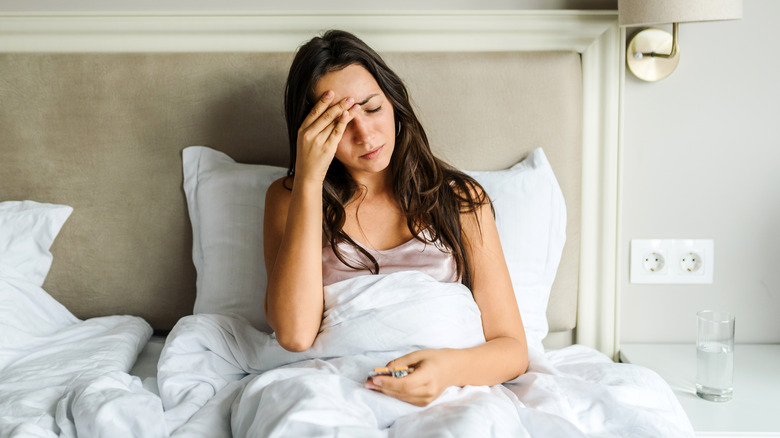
(653, 54)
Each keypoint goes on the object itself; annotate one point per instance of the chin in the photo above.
(373, 167)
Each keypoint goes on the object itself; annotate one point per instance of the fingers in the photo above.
(318, 141)
(408, 360)
(326, 124)
(416, 389)
(341, 124)
(419, 388)
(327, 140)
(318, 109)
(325, 112)
(335, 130)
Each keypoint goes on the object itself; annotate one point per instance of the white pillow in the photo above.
(226, 202)
(27, 230)
(531, 220)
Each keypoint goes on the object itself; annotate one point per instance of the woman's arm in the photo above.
(292, 229)
(505, 354)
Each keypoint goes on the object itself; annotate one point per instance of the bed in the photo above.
(136, 151)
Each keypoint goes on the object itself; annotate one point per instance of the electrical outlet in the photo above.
(691, 262)
(654, 261)
(672, 261)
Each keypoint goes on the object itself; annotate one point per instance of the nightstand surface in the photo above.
(753, 411)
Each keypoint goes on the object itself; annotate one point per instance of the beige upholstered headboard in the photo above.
(103, 132)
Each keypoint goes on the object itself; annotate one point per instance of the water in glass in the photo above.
(714, 371)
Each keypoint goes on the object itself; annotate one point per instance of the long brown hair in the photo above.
(431, 193)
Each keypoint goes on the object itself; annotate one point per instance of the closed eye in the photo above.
(371, 111)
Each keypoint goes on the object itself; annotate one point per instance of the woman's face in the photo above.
(368, 142)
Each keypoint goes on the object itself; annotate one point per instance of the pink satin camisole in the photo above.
(415, 255)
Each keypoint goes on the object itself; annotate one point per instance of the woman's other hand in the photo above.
(320, 134)
(433, 373)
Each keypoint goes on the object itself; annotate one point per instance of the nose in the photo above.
(361, 130)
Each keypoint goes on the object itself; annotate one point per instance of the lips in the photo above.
(373, 154)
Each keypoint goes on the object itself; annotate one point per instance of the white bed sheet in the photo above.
(145, 367)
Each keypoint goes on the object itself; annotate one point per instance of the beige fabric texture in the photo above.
(104, 133)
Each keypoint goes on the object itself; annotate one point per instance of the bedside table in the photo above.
(754, 411)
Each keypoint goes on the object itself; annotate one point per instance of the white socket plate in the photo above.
(672, 250)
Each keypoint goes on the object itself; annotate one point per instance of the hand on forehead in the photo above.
(352, 81)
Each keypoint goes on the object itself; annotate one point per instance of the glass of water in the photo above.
(715, 355)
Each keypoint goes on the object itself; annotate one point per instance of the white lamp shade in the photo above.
(650, 12)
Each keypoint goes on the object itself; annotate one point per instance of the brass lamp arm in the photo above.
(672, 54)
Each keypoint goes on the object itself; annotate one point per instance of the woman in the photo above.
(362, 183)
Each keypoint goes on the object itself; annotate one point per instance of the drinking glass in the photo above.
(715, 355)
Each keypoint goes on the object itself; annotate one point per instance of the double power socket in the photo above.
(672, 261)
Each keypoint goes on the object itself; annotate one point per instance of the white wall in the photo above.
(700, 160)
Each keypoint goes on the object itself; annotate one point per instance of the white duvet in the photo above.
(219, 377)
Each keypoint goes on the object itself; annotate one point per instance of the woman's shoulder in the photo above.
(466, 188)
(281, 186)
(280, 191)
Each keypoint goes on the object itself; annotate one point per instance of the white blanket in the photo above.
(217, 375)
(63, 377)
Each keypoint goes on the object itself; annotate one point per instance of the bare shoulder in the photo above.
(477, 193)
(472, 197)
(467, 187)
(476, 212)
(279, 190)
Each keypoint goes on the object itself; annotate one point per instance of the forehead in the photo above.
(351, 81)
